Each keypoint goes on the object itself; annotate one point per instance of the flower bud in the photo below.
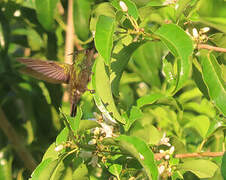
(123, 6)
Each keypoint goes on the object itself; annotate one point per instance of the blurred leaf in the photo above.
(167, 71)
(189, 95)
(146, 132)
(115, 169)
(132, 9)
(149, 99)
(87, 124)
(214, 125)
(181, 46)
(82, 11)
(62, 136)
(104, 37)
(5, 167)
(201, 123)
(48, 168)
(50, 152)
(212, 76)
(147, 59)
(103, 94)
(200, 167)
(118, 66)
(104, 8)
(75, 121)
(81, 173)
(223, 166)
(139, 149)
(215, 22)
(45, 12)
(135, 113)
(197, 76)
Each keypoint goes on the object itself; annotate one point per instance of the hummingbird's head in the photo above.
(83, 58)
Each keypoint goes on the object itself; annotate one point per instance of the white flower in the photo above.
(107, 129)
(171, 150)
(165, 140)
(1, 154)
(59, 148)
(167, 156)
(123, 6)
(141, 156)
(161, 169)
(161, 151)
(3, 162)
(17, 13)
(195, 33)
(92, 141)
(204, 30)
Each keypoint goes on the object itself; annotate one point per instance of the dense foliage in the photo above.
(159, 107)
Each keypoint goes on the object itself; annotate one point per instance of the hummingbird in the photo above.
(76, 75)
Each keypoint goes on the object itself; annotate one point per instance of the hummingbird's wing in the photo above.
(50, 71)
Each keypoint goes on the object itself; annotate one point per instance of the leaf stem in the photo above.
(209, 47)
(159, 156)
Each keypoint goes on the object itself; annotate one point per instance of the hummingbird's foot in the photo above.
(92, 91)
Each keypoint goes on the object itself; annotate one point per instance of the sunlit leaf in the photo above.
(212, 76)
(200, 167)
(104, 37)
(45, 12)
(181, 46)
(141, 152)
(103, 94)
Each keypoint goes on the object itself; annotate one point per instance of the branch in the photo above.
(69, 45)
(213, 48)
(16, 142)
(159, 156)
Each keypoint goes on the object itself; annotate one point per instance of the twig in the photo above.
(159, 156)
(69, 45)
(16, 142)
(213, 48)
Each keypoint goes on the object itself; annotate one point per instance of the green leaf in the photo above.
(49, 167)
(75, 121)
(201, 124)
(5, 167)
(50, 153)
(181, 46)
(34, 40)
(135, 113)
(146, 132)
(45, 12)
(87, 124)
(115, 169)
(82, 11)
(167, 71)
(104, 8)
(104, 37)
(200, 167)
(118, 66)
(62, 136)
(212, 76)
(103, 94)
(132, 9)
(149, 99)
(81, 173)
(147, 58)
(223, 166)
(139, 149)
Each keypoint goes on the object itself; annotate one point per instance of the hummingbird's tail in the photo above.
(73, 109)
